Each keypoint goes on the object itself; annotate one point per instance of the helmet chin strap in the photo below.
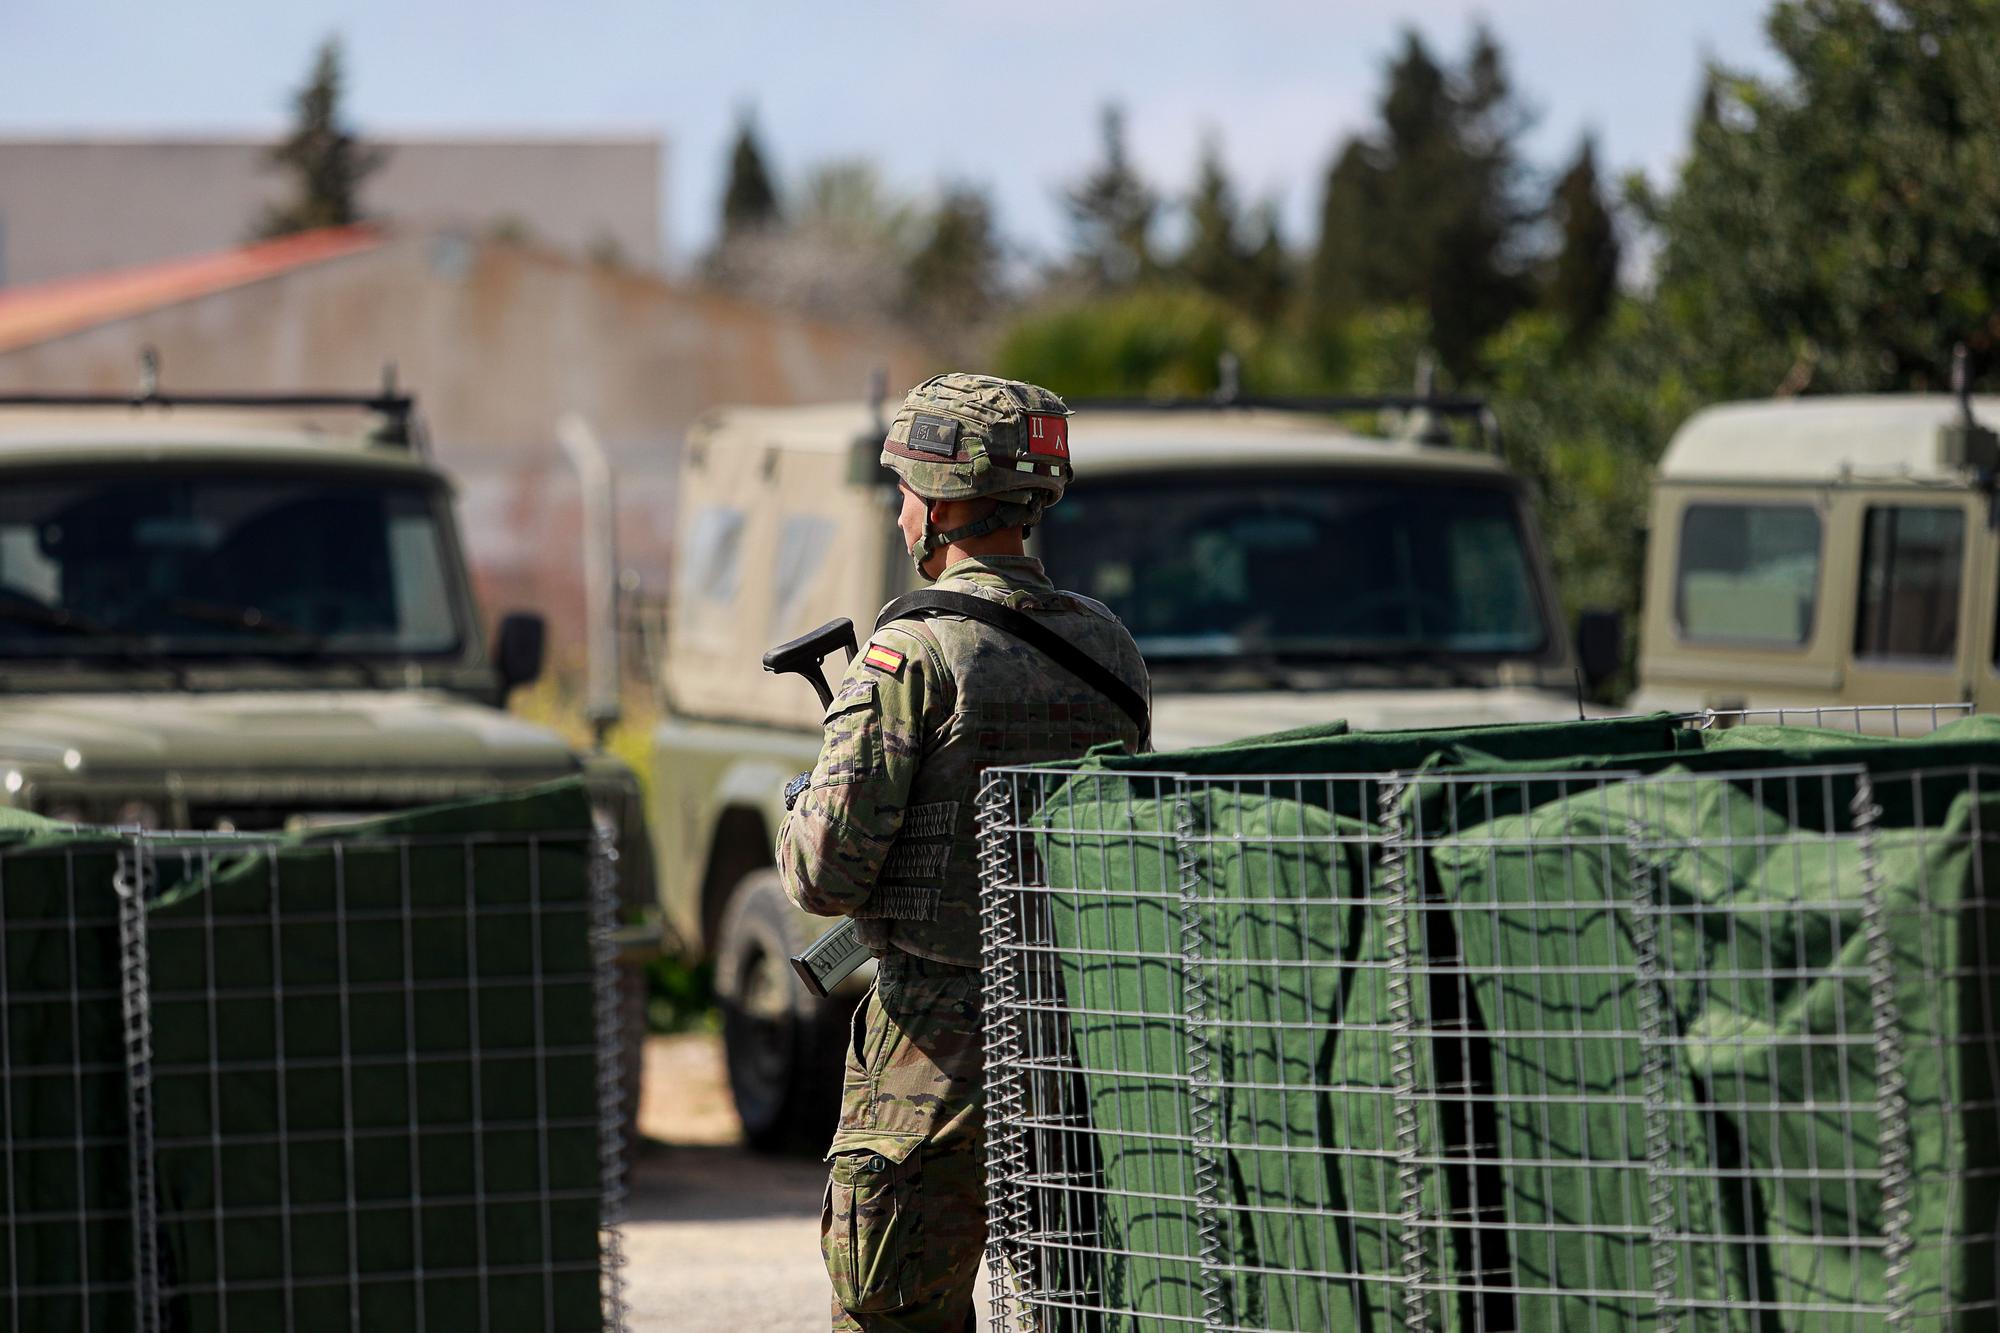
(1002, 516)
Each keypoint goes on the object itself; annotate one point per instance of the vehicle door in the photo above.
(1914, 585)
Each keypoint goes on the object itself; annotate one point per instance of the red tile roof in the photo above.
(47, 310)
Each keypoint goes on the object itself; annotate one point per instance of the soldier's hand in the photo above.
(796, 786)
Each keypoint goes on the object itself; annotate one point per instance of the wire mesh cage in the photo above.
(358, 1080)
(1527, 1049)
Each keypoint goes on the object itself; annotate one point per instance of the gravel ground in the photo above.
(719, 1239)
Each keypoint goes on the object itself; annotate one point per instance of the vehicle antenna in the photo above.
(878, 394)
(1577, 672)
(1961, 383)
(1228, 379)
(149, 372)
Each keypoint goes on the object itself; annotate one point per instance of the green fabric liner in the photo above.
(274, 1104)
(1764, 999)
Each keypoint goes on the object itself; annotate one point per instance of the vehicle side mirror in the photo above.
(1600, 645)
(517, 650)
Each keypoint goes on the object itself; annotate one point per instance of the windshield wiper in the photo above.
(249, 618)
(28, 613)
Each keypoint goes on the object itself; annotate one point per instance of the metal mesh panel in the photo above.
(362, 1081)
(1507, 1051)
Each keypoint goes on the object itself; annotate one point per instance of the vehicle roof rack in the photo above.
(396, 408)
(1230, 397)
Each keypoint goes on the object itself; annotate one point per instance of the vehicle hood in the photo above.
(1181, 721)
(320, 731)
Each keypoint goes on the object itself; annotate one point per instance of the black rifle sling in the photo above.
(1007, 620)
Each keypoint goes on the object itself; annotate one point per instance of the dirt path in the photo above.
(720, 1239)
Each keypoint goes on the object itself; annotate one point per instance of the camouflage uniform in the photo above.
(886, 833)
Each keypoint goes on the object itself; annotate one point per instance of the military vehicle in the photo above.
(1822, 551)
(252, 612)
(1275, 568)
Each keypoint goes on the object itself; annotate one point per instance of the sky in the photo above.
(1001, 96)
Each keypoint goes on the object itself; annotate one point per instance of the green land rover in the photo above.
(1275, 568)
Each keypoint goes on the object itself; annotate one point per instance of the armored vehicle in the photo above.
(244, 613)
(1821, 551)
(1275, 568)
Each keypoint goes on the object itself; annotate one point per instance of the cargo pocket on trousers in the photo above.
(868, 1223)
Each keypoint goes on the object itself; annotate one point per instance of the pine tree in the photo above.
(328, 163)
(1112, 212)
(955, 274)
(1584, 281)
(1215, 259)
(749, 200)
(1267, 279)
(1425, 211)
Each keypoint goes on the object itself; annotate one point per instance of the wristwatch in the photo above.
(796, 786)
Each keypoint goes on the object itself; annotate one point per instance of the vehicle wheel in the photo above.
(785, 1049)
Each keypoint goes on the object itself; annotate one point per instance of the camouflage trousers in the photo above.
(904, 1219)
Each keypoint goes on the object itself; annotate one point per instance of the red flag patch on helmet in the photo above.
(1048, 434)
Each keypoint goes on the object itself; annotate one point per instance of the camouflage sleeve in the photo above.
(832, 844)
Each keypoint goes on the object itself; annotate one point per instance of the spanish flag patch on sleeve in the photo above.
(883, 659)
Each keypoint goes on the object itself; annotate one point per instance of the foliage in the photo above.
(1244, 266)
(327, 162)
(954, 275)
(1425, 210)
(1834, 229)
(1583, 282)
(1168, 341)
(840, 254)
(749, 199)
(1111, 215)
(680, 996)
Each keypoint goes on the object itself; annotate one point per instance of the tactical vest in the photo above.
(1011, 704)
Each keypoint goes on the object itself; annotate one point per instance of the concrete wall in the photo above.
(498, 341)
(77, 206)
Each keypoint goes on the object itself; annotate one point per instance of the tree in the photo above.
(1215, 259)
(954, 276)
(1267, 278)
(1833, 228)
(1583, 281)
(1426, 209)
(1111, 213)
(327, 162)
(749, 200)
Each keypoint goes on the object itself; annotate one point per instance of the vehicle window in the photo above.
(1911, 559)
(1749, 573)
(803, 541)
(1305, 566)
(185, 564)
(712, 561)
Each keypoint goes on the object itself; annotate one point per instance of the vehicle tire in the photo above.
(785, 1049)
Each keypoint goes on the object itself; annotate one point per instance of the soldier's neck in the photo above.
(1007, 541)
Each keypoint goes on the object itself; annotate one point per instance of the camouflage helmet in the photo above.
(968, 437)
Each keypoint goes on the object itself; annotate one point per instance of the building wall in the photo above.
(75, 206)
(498, 341)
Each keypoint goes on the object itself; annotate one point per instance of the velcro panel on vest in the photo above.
(916, 861)
(901, 902)
(939, 819)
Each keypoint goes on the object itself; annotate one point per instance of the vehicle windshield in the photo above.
(1306, 566)
(180, 564)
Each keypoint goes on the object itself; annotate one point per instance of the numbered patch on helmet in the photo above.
(1048, 434)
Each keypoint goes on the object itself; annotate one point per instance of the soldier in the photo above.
(883, 830)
